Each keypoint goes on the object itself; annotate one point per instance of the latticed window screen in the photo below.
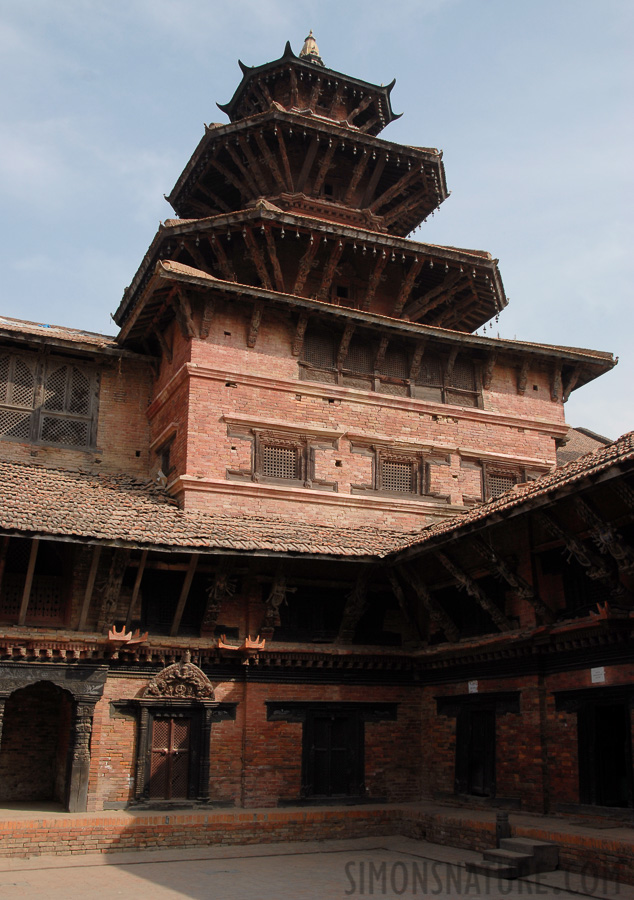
(395, 364)
(280, 462)
(319, 350)
(59, 412)
(430, 372)
(397, 475)
(499, 483)
(360, 358)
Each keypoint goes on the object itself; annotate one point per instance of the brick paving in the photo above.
(387, 867)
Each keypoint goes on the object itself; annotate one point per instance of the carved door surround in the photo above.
(175, 714)
(85, 684)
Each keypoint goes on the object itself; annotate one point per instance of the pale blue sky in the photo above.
(531, 101)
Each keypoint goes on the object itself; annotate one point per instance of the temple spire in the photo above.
(310, 50)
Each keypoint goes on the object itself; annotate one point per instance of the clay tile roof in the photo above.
(60, 332)
(42, 501)
(618, 452)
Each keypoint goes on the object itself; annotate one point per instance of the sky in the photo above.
(531, 101)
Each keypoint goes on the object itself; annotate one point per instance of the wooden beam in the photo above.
(309, 159)
(221, 256)
(300, 331)
(238, 183)
(345, 343)
(110, 598)
(208, 314)
(4, 548)
(184, 594)
(215, 199)
(325, 165)
(367, 126)
(556, 389)
(367, 100)
(314, 94)
(246, 174)
(466, 583)
(406, 608)
(275, 264)
(489, 366)
(329, 270)
(417, 358)
(380, 354)
(402, 208)
(190, 246)
(522, 377)
(606, 537)
(433, 297)
(284, 155)
(399, 186)
(254, 325)
(373, 283)
(571, 383)
(449, 314)
(270, 160)
(592, 562)
(136, 588)
(28, 582)
(336, 100)
(373, 182)
(165, 347)
(433, 609)
(254, 165)
(294, 90)
(407, 285)
(306, 263)
(356, 604)
(451, 361)
(183, 311)
(520, 586)
(256, 256)
(357, 174)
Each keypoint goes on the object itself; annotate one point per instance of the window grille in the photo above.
(280, 462)
(462, 376)
(430, 373)
(499, 483)
(360, 358)
(60, 411)
(319, 350)
(397, 476)
(395, 364)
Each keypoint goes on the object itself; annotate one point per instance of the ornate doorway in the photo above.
(170, 757)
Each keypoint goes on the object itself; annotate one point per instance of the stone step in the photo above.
(492, 869)
(546, 855)
(524, 863)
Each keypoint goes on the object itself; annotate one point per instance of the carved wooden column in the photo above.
(141, 788)
(205, 754)
(80, 756)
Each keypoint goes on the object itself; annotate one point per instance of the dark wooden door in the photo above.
(605, 759)
(170, 758)
(475, 752)
(333, 756)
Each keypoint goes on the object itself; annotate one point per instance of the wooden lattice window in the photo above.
(499, 481)
(456, 384)
(280, 462)
(319, 350)
(397, 475)
(47, 400)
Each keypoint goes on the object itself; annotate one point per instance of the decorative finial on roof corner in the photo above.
(310, 50)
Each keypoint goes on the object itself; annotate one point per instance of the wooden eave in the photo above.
(454, 532)
(289, 58)
(591, 363)
(492, 299)
(314, 125)
(9, 337)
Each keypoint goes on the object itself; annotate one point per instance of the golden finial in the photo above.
(310, 50)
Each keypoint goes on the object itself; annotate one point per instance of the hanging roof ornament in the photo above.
(310, 50)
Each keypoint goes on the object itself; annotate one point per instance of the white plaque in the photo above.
(597, 676)
(473, 687)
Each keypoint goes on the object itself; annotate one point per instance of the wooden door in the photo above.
(170, 757)
(475, 752)
(333, 758)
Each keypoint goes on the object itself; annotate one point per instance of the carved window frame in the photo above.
(302, 445)
(49, 410)
(380, 455)
(492, 471)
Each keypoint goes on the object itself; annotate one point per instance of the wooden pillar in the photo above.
(141, 789)
(26, 594)
(182, 600)
(205, 754)
(90, 584)
(80, 756)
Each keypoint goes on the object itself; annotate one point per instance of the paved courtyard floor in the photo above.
(383, 867)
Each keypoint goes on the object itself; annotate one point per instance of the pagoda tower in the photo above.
(315, 360)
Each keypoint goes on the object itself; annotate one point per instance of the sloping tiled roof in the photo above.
(580, 441)
(620, 451)
(59, 332)
(42, 501)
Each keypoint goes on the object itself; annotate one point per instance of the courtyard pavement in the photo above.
(381, 867)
